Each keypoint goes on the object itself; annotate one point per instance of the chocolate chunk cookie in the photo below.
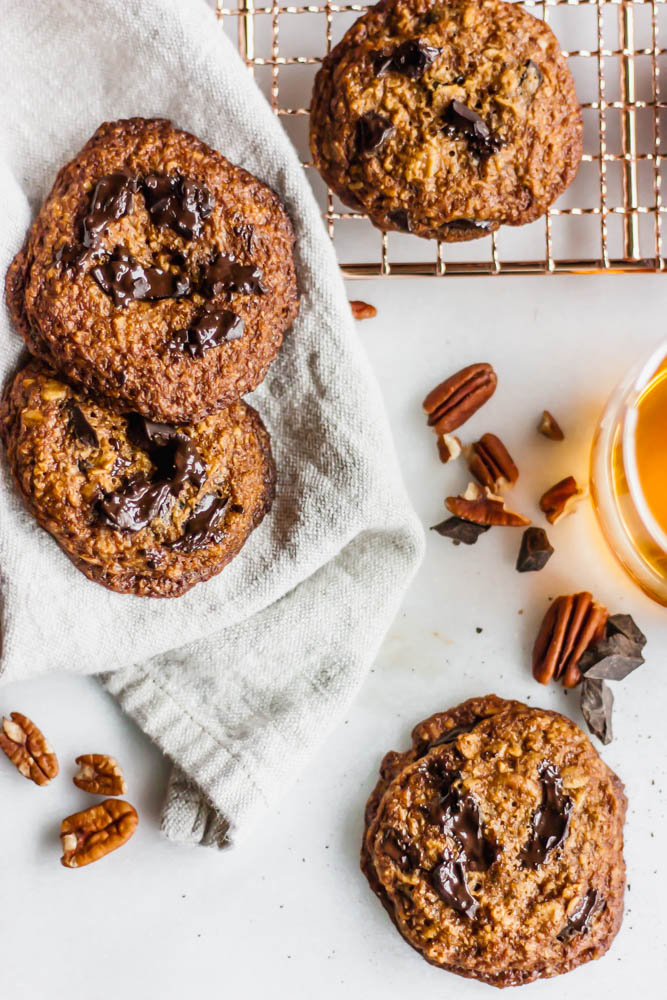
(496, 843)
(157, 274)
(141, 507)
(446, 119)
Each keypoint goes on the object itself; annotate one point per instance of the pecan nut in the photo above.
(362, 310)
(449, 447)
(570, 626)
(452, 402)
(28, 750)
(549, 427)
(89, 835)
(99, 775)
(490, 462)
(561, 499)
(480, 505)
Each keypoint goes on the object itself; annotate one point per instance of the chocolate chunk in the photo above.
(136, 505)
(202, 528)
(82, 429)
(406, 856)
(173, 453)
(450, 735)
(579, 921)
(530, 79)
(226, 274)
(597, 703)
(372, 131)
(627, 626)
(401, 220)
(112, 198)
(177, 202)
(484, 225)
(449, 881)
(551, 820)
(462, 121)
(459, 816)
(535, 551)
(611, 659)
(460, 531)
(246, 233)
(125, 280)
(411, 58)
(214, 327)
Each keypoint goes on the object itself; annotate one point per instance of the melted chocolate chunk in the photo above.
(173, 454)
(125, 280)
(449, 881)
(372, 131)
(214, 327)
(401, 220)
(227, 274)
(551, 820)
(597, 703)
(177, 202)
(135, 505)
(82, 429)
(202, 528)
(460, 531)
(411, 58)
(459, 816)
(452, 734)
(112, 198)
(465, 123)
(579, 921)
(535, 551)
(406, 856)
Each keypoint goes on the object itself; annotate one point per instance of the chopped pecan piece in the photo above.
(27, 749)
(99, 775)
(550, 427)
(452, 402)
(570, 626)
(449, 447)
(561, 499)
(89, 835)
(362, 310)
(480, 505)
(491, 463)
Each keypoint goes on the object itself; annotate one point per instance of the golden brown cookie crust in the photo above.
(491, 56)
(522, 928)
(122, 354)
(63, 472)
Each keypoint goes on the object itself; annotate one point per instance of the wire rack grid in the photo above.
(610, 219)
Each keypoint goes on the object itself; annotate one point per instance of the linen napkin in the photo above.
(240, 679)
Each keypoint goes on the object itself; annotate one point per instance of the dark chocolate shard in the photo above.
(449, 881)
(82, 429)
(134, 506)
(580, 920)
(597, 703)
(463, 122)
(125, 280)
(459, 816)
(626, 625)
(178, 202)
(203, 527)
(530, 79)
(227, 274)
(535, 551)
(372, 132)
(551, 819)
(460, 531)
(401, 220)
(212, 328)
(611, 659)
(405, 855)
(411, 58)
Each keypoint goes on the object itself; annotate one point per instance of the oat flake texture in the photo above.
(266, 656)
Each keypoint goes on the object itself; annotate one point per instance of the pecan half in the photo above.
(570, 626)
(362, 310)
(99, 775)
(89, 835)
(491, 463)
(27, 749)
(452, 402)
(449, 447)
(549, 427)
(561, 499)
(480, 505)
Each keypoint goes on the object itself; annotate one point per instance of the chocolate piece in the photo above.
(484, 225)
(451, 735)
(449, 881)
(626, 625)
(535, 551)
(82, 429)
(462, 121)
(458, 815)
(112, 198)
(177, 202)
(406, 856)
(173, 453)
(136, 505)
(246, 233)
(551, 820)
(227, 274)
(460, 531)
(611, 658)
(530, 79)
(125, 280)
(372, 131)
(202, 528)
(597, 703)
(579, 921)
(412, 58)
(401, 219)
(214, 327)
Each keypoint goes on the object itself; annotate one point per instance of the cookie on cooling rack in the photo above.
(157, 274)
(496, 843)
(446, 118)
(141, 507)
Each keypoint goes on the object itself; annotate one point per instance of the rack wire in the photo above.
(611, 219)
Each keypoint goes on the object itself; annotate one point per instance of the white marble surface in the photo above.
(290, 915)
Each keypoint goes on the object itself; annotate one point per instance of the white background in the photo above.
(289, 915)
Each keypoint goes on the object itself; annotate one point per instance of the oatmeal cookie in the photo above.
(157, 274)
(496, 843)
(141, 507)
(446, 118)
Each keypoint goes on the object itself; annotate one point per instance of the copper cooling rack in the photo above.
(609, 220)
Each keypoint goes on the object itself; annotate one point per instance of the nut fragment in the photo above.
(449, 447)
(480, 505)
(362, 310)
(87, 836)
(27, 749)
(570, 626)
(561, 499)
(452, 402)
(99, 775)
(550, 427)
(491, 463)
